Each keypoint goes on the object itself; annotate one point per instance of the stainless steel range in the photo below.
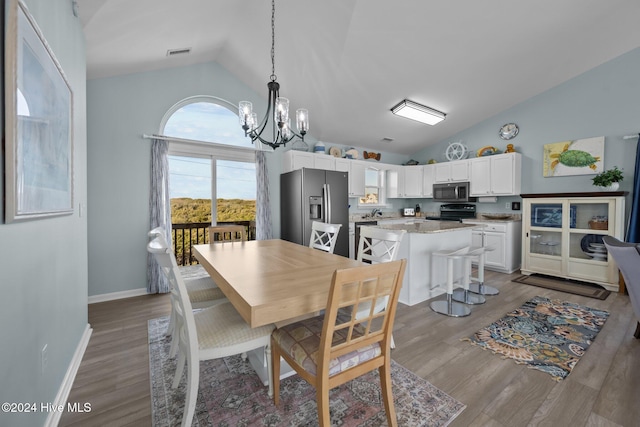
(455, 212)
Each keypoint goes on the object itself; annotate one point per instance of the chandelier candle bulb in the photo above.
(244, 113)
(302, 122)
(282, 110)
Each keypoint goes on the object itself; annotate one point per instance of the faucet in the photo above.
(375, 211)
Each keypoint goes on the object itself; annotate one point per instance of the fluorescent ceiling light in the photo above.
(418, 112)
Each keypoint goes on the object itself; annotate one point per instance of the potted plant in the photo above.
(609, 179)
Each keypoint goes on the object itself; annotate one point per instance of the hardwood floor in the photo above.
(602, 390)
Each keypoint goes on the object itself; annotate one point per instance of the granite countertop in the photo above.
(427, 227)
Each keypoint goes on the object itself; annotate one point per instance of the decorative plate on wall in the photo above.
(508, 131)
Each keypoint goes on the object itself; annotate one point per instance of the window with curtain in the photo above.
(209, 183)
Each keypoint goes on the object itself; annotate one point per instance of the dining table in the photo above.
(271, 282)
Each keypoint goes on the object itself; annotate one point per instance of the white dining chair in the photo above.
(202, 291)
(324, 236)
(376, 246)
(210, 333)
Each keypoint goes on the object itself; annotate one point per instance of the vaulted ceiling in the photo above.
(350, 61)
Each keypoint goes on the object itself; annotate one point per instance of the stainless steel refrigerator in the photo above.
(308, 195)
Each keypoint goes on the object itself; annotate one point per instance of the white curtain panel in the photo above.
(263, 209)
(159, 211)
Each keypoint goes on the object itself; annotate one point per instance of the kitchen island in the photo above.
(425, 275)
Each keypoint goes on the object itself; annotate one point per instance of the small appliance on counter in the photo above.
(408, 212)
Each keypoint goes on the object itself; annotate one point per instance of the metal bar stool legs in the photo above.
(449, 307)
(463, 294)
(479, 287)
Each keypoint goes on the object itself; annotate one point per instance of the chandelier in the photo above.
(277, 109)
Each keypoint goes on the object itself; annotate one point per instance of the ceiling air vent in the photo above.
(174, 52)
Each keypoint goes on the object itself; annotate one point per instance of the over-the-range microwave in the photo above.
(452, 192)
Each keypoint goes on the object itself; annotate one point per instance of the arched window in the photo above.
(209, 183)
(205, 118)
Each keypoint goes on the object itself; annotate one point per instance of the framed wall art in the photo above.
(38, 118)
(578, 157)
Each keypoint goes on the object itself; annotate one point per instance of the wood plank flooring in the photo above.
(602, 390)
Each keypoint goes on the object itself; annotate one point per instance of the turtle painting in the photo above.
(577, 157)
(574, 158)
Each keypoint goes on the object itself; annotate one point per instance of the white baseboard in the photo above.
(65, 388)
(117, 295)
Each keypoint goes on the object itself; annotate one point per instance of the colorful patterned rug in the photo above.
(548, 335)
(231, 394)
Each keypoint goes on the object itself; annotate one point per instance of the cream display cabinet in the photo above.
(562, 235)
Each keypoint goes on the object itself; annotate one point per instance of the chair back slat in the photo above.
(352, 287)
(324, 236)
(227, 233)
(377, 245)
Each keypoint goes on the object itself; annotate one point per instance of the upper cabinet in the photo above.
(455, 171)
(294, 160)
(497, 175)
(428, 178)
(404, 181)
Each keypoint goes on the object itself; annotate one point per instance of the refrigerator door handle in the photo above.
(327, 203)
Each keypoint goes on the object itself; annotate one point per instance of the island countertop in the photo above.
(427, 227)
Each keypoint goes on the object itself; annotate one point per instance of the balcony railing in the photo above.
(186, 235)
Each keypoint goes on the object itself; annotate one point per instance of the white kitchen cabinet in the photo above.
(325, 162)
(413, 176)
(356, 175)
(294, 160)
(428, 178)
(504, 238)
(404, 181)
(455, 171)
(498, 175)
(562, 235)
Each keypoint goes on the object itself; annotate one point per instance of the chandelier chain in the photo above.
(273, 40)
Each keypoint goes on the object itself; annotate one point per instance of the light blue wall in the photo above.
(43, 263)
(120, 110)
(604, 101)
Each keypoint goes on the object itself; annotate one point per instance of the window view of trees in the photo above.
(199, 176)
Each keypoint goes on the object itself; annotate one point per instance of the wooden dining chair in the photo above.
(227, 233)
(334, 348)
(627, 256)
(210, 333)
(202, 291)
(377, 245)
(324, 236)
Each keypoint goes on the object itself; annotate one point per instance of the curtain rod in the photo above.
(197, 142)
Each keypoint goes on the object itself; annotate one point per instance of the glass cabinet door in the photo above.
(546, 243)
(547, 215)
(594, 216)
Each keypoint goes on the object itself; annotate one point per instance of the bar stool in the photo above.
(463, 294)
(479, 287)
(448, 307)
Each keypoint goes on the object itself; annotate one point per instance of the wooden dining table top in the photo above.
(271, 281)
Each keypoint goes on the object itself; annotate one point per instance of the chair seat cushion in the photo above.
(301, 341)
(202, 289)
(222, 326)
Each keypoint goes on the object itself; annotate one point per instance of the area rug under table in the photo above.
(231, 394)
(548, 335)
